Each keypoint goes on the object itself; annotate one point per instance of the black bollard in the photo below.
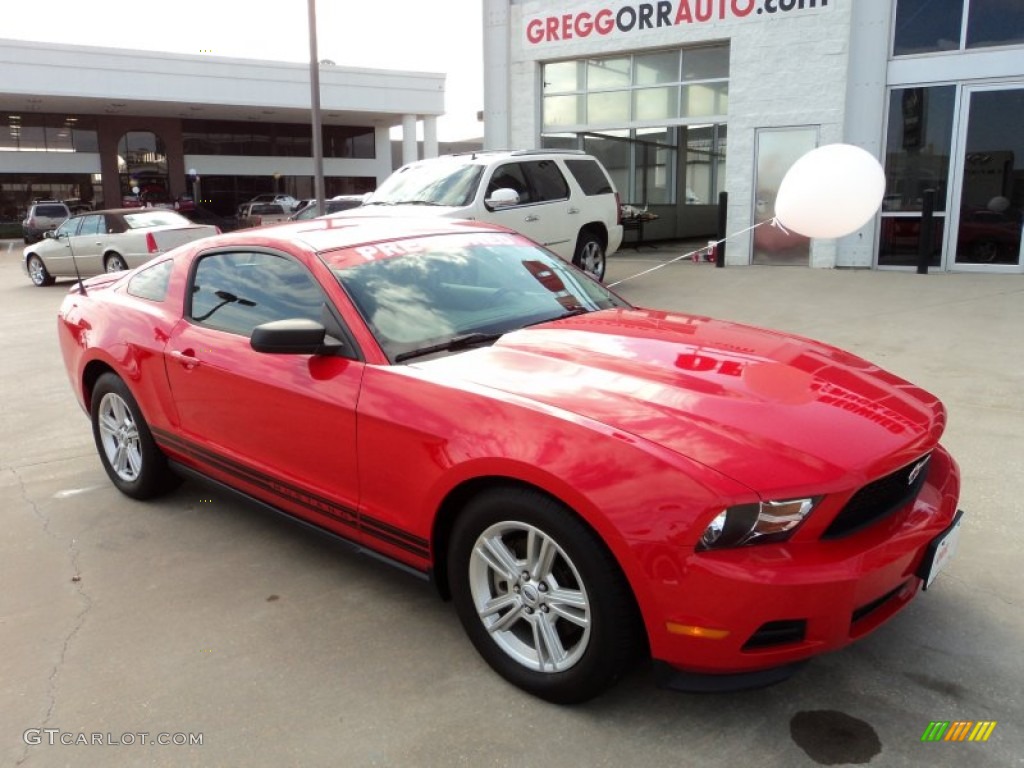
(926, 241)
(723, 206)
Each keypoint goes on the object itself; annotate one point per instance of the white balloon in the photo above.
(830, 192)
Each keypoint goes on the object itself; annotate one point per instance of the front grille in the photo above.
(777, 633)
(879, 499)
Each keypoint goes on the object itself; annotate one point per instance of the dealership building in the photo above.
(102, 127)
(685, 99)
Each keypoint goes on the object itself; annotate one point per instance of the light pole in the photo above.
(314, 86)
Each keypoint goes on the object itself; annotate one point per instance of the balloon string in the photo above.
(773, 221)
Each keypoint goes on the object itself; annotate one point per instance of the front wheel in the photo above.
(37, 271)
(115, 263)
(540, 597)
(590, 254)
(127, 450)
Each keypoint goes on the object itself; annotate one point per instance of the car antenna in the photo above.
(81, 283)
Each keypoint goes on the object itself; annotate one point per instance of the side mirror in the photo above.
(503, 198)
(50, 233)
(297, 336)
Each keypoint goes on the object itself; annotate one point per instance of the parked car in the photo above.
(43, 216)
(335, 204)
(562, 199)
(287, 202)
(587, 480)
(259, 214)
(108, 241)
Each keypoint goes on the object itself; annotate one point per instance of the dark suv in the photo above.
(43, 216)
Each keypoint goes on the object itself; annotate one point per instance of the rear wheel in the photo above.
(115, 262)
(590, 254)
(540, 597)
(127, 450)
(37, 271)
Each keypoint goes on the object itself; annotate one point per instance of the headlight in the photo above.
(755, 523)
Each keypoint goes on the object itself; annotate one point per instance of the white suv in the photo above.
(562, 199)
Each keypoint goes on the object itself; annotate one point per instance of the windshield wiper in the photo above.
(420, 202)
(459, 342)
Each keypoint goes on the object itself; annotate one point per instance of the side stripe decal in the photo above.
(378, 529)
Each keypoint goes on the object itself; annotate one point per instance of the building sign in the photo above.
(628, 18)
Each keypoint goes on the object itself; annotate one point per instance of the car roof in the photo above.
(329, 234)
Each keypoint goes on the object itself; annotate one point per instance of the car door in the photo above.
(57, 253)
(87, 243)
(543, 210)
(279, 426)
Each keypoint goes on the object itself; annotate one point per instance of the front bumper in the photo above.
(755, 608)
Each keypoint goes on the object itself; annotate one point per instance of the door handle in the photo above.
(531, 217)
(574, 210)
(187, 358)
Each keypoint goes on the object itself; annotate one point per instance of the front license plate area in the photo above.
(940, 551)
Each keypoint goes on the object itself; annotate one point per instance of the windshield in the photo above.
(441, 182)
(436, 291)
(155, 217)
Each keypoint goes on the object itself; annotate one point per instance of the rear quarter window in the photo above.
(590, 176)
(151, 283)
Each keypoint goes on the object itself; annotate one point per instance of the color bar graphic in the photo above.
(958, 730)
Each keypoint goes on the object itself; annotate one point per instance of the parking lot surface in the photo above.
(200, 617)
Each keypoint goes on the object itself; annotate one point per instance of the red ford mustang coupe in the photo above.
(588, 481)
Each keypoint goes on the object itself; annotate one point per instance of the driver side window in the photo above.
(239, 290)
(509, 176)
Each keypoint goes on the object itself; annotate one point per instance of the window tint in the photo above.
(237, 291)
(590, 176)
(546, 181)
(509, 176)
(151, 283)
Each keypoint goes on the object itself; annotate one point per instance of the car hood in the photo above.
(403, 209)
(773, 411)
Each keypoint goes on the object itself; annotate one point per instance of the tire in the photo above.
(37, 271)
(114, 262)
(590, 254)
(558, 620)
(131, 458)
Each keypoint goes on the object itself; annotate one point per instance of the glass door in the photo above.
(990, 213)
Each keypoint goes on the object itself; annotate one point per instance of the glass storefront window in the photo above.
(708, 63)
(612, 149)
(656, 103)
(656, 68)
(919, 141)
(235, 138)
(705, 100)
(608, 73)
(37, 132)
(655, 160)
(562, 77)
(561, 110)
(995, 22)
(611, 108)
(659, 86)
(925, 26)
